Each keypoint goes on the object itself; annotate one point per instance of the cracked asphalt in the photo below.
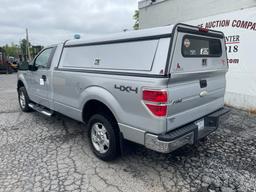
(38, 153)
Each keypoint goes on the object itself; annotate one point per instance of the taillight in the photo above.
(156, 101)
(155, 96)
(158, 110)
(204, 30)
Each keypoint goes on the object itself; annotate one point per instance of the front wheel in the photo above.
(103, 137)
(23, 99)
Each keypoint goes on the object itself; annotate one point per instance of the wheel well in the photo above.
(20, 84)
(93, 107)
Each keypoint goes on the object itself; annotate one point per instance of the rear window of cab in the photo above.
(194, 46)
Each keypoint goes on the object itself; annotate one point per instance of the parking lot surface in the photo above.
(38, 153)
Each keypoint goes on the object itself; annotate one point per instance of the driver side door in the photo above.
(41, 77)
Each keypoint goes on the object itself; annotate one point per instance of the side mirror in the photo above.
(24, 66)
(32, 67)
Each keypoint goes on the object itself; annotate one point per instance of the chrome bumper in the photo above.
(188, 134)
(152, 142)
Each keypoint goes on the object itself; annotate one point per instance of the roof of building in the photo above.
(146, 3)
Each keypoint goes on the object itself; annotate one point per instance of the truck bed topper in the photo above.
(140, 35)
(145, 34)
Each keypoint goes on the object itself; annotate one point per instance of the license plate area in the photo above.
(200, 124)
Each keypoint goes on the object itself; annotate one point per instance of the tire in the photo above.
(103, 136)
(23, 99)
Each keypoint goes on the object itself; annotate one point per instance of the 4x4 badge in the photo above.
(127, 89)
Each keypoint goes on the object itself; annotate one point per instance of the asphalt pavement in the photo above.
(38, 153)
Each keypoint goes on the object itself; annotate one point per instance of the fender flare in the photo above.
(22, 79)
(104, 96)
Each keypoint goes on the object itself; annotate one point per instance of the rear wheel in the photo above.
(23, 99)
(103, 137)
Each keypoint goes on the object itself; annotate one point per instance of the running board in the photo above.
(40, 109)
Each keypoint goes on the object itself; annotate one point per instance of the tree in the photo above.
(21, 51)
(23, 46)
(136, 18)
(11, 50)
(35, 49)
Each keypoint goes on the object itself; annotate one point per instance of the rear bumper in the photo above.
(188, 134)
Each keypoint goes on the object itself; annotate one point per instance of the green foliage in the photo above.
(16, 51)
(23, 46)
(11, 50)
(34, 50)
(136, 18)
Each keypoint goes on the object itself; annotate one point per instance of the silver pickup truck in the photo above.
(162, 88)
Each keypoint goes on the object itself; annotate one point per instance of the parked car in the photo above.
(14, 65)
(162, 88)
(4, 65)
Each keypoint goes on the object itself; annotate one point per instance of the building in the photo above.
(237, 19)
(155, 13)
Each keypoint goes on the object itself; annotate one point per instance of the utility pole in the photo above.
(28, 52)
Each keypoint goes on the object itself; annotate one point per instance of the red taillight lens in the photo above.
(158, 110)
(203, 30)
(155, 96)
(156, 101)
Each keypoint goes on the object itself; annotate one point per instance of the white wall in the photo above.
(240, 43)
(164, 12)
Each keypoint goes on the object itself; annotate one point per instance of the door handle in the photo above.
(203, 83)
(44, 77)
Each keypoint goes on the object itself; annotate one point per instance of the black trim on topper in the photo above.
(112, 73)
(61, 54)
(196, 32)
(212, 31)
(169, 51)
(148, 38)
(193, 31)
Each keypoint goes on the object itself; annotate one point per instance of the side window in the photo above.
(43, 60)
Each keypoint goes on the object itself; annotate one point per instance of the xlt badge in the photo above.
(176, 101)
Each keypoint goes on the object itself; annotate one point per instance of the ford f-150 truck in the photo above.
(162, 87)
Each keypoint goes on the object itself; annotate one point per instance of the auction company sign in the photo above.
(239, 28)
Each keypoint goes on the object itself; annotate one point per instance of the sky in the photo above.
(53, 21)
